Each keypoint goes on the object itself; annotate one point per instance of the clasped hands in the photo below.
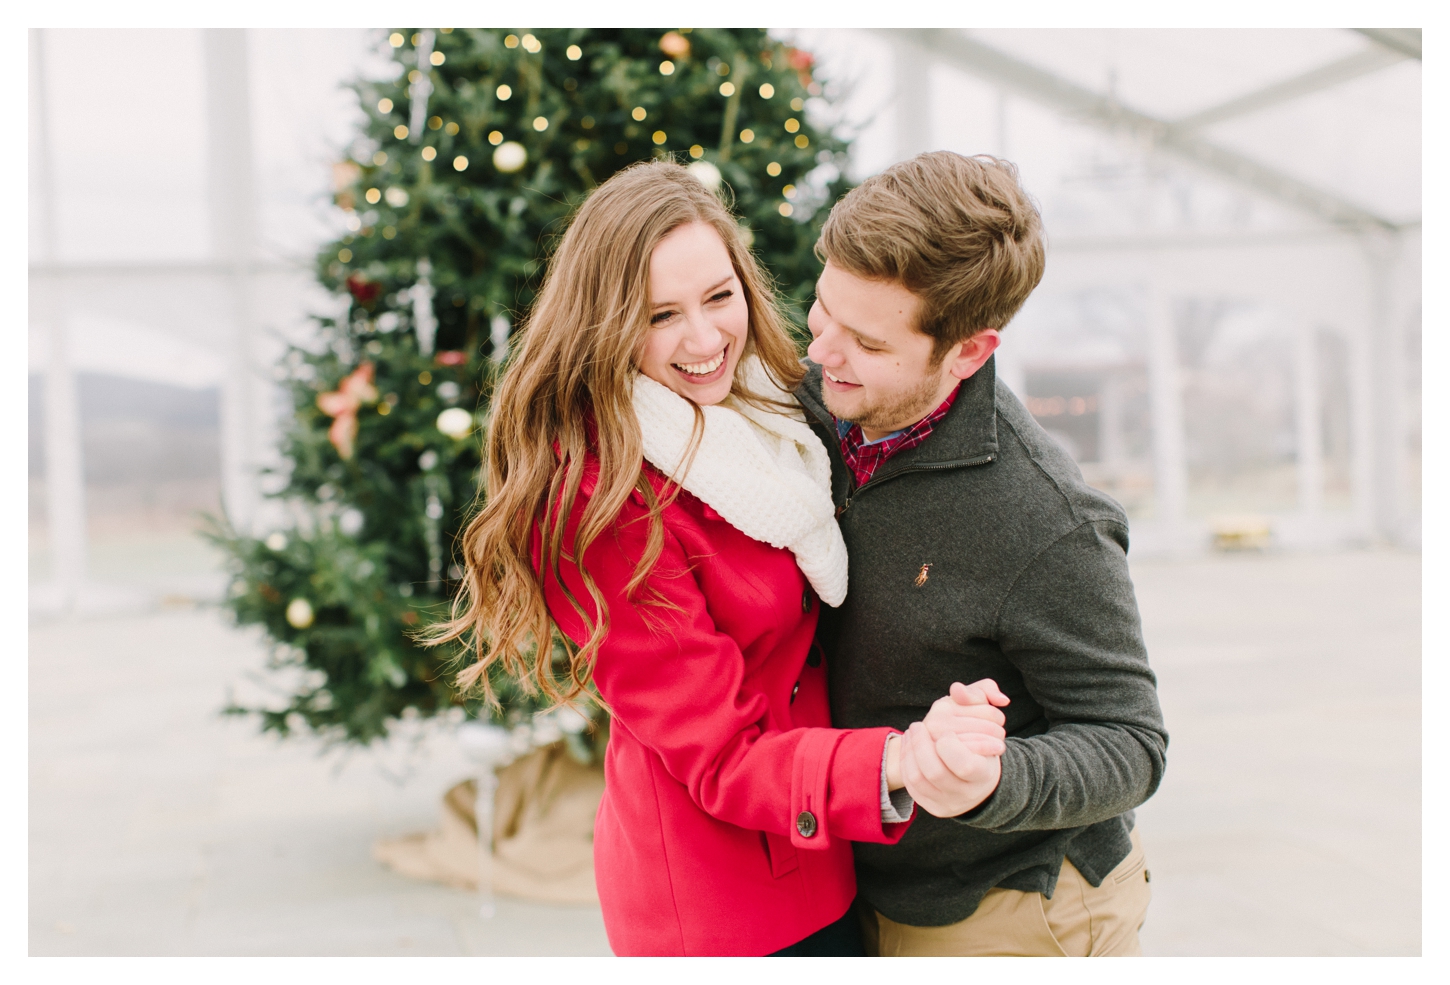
(951, 760)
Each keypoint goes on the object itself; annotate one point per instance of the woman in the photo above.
(654, 494)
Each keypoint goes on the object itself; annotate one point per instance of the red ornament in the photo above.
(451, 357)
(363, 290)
(802, 62)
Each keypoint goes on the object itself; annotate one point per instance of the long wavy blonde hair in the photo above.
(579, 353)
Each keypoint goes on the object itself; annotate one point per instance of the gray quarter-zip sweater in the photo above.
(982, 553)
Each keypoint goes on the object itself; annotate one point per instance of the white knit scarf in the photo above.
(765, 472)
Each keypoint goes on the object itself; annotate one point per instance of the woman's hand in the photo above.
(950, 775)
(968, 712)
(951, 760)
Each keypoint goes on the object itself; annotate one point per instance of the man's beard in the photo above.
(901, 411)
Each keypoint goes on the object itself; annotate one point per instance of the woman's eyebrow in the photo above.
(720, 283)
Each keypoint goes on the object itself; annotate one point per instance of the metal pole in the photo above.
(913, 100)
(1387, 382)
(233, 228)
(1309, 437)
(65, 484)
(1165, 394)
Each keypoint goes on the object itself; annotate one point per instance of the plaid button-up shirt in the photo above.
(865, 458)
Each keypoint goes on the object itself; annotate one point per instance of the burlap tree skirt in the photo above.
(543, 832)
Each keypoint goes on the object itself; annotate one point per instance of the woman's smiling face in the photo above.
(699, 320)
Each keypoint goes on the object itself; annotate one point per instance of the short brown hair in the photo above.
(958, 232)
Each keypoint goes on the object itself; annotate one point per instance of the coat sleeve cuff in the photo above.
(836, 789)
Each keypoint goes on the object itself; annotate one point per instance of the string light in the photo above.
(696, 151)
(389, 232)
(345, 255)
(788, 191)
(416, 39)
(531, 44)
(767, 90)
(451, 129)
(802, 141)
(380, 158)
(638, 113)
(437, 58)
(659, 137)
(797, 104)
(667, 67)
(786, 208)
(460, 163)
(429, 153)
(541, 123)
(414, 75)
(495, 138)
(792, 125)
(425, 377)
(385, 105)
(373, 196)
(574, 52)
(727, 89)
(511, 41)
(747, 136)
(400, 131)
(396, 197)
(773, 169)
(395, 39)
(503, 92)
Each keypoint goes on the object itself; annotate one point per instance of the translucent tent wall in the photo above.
(1229, 323)
(1230, 318)
(179, 185)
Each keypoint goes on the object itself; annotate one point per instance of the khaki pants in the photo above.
(1079, 921)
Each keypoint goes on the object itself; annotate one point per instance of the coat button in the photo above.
(813, 658)
(794, 691)
(806, 600)
(805, 823)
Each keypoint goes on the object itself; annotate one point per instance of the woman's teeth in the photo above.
(701, 369)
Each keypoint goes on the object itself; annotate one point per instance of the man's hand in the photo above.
(968, 709)
(950, 775)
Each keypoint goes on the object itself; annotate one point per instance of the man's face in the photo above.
(878, 367)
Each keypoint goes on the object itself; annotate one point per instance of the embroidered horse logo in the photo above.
(922, 575)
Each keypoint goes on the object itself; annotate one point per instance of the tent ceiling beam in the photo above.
(1371, 59)
(1405, 40)
(1104, 111)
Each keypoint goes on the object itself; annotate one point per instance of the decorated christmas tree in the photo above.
(460, 181)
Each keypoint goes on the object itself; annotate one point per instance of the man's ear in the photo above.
(971, 355)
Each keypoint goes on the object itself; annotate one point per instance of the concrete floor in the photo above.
(1288, 823)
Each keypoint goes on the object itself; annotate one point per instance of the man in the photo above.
(976, 551)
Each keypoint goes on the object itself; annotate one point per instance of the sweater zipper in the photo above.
(851, 496)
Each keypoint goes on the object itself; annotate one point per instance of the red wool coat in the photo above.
(729, 803)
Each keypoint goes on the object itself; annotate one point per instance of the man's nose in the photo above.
(822, 351)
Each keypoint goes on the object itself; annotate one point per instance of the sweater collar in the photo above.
(966, 436)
